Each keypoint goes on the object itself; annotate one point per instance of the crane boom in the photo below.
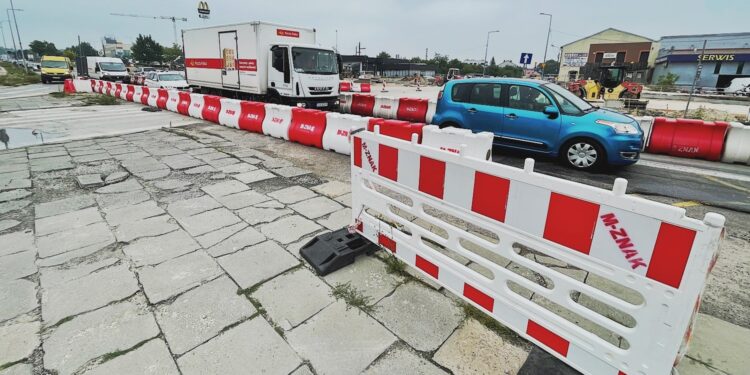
(174, 20)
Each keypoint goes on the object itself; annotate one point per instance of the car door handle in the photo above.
(472, 110)
(511, 116)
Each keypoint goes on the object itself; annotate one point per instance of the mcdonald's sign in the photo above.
(203, 10)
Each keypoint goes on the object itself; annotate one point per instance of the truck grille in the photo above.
(320, 90)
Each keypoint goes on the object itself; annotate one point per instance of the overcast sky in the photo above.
(457, 28)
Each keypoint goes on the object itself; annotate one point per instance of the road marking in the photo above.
(686, 204)
(733, 186)
(694, 170)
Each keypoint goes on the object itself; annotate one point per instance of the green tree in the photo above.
(43, 47)
(70, 54)
(384, 55)
(171, 53)
(492, 62)
(666, 83)
(146, 50)
(551, 67)
(85, 49)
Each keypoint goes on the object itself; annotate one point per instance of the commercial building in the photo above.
(607, 47)
(114, 48)
(356, 65)
(727, 56)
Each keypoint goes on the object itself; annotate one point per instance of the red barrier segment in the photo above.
(411, 109)
(118, 90)
(129, 94)
(161, 101)
(93, 85)
(184, 104)
(68, 87)
(144, 96)
(108, 90)
(211, 108)
(396, 128)
(364, 87)
(345, 86)
(252, 115)
(362, 104)
(307, 127)
(688, 138)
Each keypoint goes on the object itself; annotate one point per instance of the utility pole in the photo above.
(698, 70)
(12, 37)
(426, 50)
(546, 44)
(5, 44)
(486, 47)
(337, 40)
(18, 34)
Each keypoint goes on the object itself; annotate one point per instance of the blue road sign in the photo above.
(526, 58)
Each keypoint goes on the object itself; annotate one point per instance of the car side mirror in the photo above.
(551, 111)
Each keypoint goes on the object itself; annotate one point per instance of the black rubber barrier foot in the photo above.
(329, 252)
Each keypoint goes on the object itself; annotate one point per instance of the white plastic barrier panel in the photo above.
(431, 107)
(124, 91)
(82, 85)
(173, 100)
(647, 125)
(277, 121)
(385, 107)
(737, 146)
(153, 96)
(345, 102)
(459, 141)
(230, 113)
(196, 106)
(338, 130)
(528, 237)
(137, 92)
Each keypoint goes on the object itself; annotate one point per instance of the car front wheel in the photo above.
(583, 154)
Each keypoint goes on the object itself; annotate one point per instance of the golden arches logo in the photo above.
(203, 7)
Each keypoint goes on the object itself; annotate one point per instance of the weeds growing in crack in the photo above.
(10, 364)
(487, 321)
(62, 321)
(353, 297)
(395, 266)
(112, 355)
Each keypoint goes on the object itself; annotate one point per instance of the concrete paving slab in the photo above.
(225, 188)
(368, 275)
(475, 349)
(258, 215)
(90, 180)
(121, 187)
(223, 162)
(232, 352)
(18, 341)
(422, 317)
(116, 327)
(145, 164)
(540, 362)
(61, 275)
(62, 300)
(19, 369)
(257, 263)
(208, 221)
(150, 227)
(61, 206)
(202, 313)
(292, 194)
(289, 229)
(193, 206)
(14, 194)
(91, 237)
(254, 176)
(13, 205)
(242, 199)
(302, 370)
(153, 175)
(321, 340)
(15, 183)
(16, 242)
(401, 360)
(211, 239)
(154, 250)
(294, 297)
(172, 184)
(332, 188)
(345, 199)
(722, 345)
(18, 265)
(51, 164)
(122, 199)
(92, 157)
(316, 207)
(181, 161)
(238, 241)
(67, 221)
(689, 366)
(337, 220)
(153, 358)
(291, 171)
(238, 168)
(116, 177)
(177, 275)
(200, 170)
(116, 216)
(8, 224)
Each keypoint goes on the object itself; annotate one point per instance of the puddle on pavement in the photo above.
(22, 137)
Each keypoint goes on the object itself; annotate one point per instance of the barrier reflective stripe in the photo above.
(93, 85)
(161, 100)
(737, 146)
(396, 128)
(385, 107)
(688, 138)
(124, 91)
(307, 127)
(252, 115)
(345, 102)
(137, 93)
(431, 107)
(110, 89)
(459, 141)
(145, 95)
(362, 104)
(338, 130)
(118, 90)
(364, 87)
(345, 86)
(277, 121)
(195, 109)
(621, 242)
(173, 100)
(410, 109)
(183, 107)
(211, 108)
(230, 113)
(153, 97)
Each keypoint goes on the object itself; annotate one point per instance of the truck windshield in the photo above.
(112, 66)
(54, 64)
(314, 61)
(569, 102)
(170, 77)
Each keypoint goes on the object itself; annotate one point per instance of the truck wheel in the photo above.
(583, 153)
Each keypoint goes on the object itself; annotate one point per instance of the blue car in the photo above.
(542, 117)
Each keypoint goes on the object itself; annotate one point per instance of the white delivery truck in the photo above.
(105, 68)
(263, 62)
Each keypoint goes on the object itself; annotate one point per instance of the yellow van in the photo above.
(56, 68)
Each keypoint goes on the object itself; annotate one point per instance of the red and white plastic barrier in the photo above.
(153, 97)
(362, 104)
(307, 127)
(360, 87)
(688, 138)
(650, 248)
(277, 121)
(146, 94)
(737, 146)
(410, 109)
(183, 107)
(345, 86)
(407, 109)
(459, 141)
(161, 98)
(252, 115)
(173, 100)
(345, 102)
(82, 85)
(211, 108)
(230, 113)
(397, 129)
(196, 106)
(431, 108)
(385, 107)
(338, 130)
(137, 93)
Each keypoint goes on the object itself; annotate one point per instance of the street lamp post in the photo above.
(2, 31)
(18, 34)
(546, 44)
(486, 47)
(12, 37)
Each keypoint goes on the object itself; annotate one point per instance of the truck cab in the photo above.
(55, 68)
(107, 69)
(302, 75)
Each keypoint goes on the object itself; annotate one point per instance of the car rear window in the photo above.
(461, 92)
(486, 94)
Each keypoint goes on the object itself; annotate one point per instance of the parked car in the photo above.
(541, 117)
(166, 80)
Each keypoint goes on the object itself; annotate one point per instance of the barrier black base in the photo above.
(329, 252)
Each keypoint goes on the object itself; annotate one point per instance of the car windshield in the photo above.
(569, 102)
(314, 61)
(54, 64)
(112, 66)
(170, 77)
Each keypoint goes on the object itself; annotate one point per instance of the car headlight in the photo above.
(619, 127)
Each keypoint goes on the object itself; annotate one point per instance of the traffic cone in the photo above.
(68, 87)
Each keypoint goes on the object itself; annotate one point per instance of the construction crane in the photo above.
(172, 18)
